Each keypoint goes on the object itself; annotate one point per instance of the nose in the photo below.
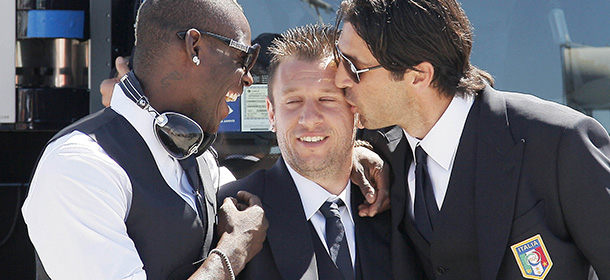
(311, 116)
(247, 79)
(342, 79)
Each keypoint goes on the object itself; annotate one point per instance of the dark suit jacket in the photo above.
(539, 168)
(288, 251)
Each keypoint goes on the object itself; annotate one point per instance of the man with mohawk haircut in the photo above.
(311, 205)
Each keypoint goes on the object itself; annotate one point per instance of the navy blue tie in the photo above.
(336, 239)
(425, 209)
(191, 168)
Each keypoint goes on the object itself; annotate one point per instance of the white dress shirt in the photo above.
(79, 200)
(313, 196)
(441, 145)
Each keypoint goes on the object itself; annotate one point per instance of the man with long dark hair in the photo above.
(486, 184)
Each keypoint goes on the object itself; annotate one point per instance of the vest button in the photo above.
(440, 270)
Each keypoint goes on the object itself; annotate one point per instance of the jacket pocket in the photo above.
(528, 220)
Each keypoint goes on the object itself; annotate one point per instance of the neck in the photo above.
(333, 180)
(151, 89)
(333, 186)
(161, 80)
(426, 112)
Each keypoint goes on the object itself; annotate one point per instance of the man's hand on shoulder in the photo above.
(371, 173)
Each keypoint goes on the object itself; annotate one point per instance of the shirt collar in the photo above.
(313, 195)
(442, 140)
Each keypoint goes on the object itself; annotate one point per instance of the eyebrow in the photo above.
(351, 58)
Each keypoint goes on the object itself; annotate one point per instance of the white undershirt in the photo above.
(79, 200)
(313, 196)
(441, 145)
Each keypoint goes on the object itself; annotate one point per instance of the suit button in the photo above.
(440, 270)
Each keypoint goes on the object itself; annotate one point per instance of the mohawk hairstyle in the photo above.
(306, 43)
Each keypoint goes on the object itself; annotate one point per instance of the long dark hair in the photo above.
(403, 33)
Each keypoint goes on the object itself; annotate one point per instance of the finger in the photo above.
(121, 65)
(381, 204)
(363, 209)
(229, 204)
(375, 207)
(382, 185)
(359, 178)
(241, 206)
(357, 175)
(249, 198)
(382, 199)
(366, 210)
(370, 210)
(367, 190)
(106, 88)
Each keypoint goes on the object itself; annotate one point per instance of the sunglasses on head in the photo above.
(352, 71)
(250, 51)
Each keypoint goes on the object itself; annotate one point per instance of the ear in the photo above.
(192, 39)
(271, 114)
(422, 76)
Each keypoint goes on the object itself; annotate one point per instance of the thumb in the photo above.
(229, 205)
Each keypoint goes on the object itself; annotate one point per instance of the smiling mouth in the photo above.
(312, 139)
(232, 96)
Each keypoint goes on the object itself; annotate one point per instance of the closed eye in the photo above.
(295, 101)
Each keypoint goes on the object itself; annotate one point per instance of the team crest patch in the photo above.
(532, 258)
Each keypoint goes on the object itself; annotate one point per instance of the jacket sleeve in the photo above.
(584, 190)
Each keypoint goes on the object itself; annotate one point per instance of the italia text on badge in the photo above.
(532, 258)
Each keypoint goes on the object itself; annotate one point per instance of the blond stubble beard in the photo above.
(333, 164)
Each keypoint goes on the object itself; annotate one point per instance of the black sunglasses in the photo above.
(352, 71)
(250, 51)
(181, 136)
(178, 134)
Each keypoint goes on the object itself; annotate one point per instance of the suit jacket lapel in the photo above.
(400, 157)
(289, 236)
(396, 150)
(362, 234)
(498, 164)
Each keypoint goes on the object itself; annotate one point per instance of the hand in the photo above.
(107, 86)
(242, 228)
(373, 176)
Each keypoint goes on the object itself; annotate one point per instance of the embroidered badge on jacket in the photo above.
(532, 258)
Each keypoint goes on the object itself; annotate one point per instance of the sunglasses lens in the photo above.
(349, 67)
(251, 58)
(178, 134)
